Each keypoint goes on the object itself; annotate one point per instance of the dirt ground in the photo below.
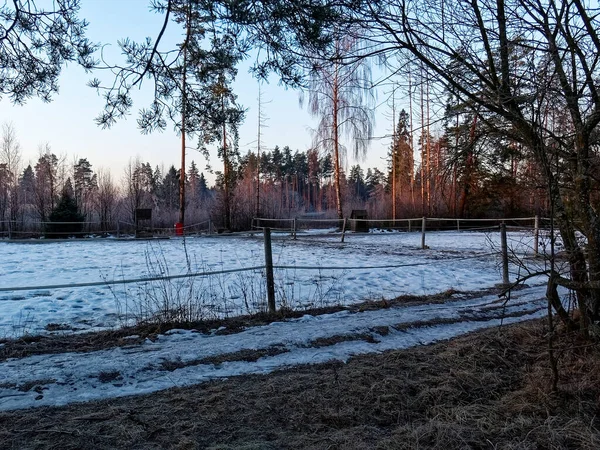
(490, 389)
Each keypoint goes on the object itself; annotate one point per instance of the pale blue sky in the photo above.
(67, 123)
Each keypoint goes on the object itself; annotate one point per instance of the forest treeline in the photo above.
(465, 173)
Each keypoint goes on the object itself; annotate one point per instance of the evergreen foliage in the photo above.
(37, 40)
(65, 218)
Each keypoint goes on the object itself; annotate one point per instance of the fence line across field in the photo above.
(269, 267)
(342, 225)
(95, 228)
(296, 223)
(291, 225)
(423, 221)
(50, 287)
(227, 271)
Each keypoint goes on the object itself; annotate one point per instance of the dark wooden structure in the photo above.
(143, 216)
(359, 225)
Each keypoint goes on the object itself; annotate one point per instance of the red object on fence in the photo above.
(179, 229)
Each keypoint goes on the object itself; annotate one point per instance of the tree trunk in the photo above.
(227, 221)
(336, 145)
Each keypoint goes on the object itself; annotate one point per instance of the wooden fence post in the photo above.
(423, 226)
(536, 235)
(269, 270)
(457, 224)
(344, 229)
(504, 246)
(295, 225)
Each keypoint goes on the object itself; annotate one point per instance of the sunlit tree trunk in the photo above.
(336, 144)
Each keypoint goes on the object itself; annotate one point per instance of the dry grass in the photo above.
(247, 355)
(486, 390)
(86, 342)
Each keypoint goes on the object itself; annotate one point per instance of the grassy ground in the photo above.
(489, 389)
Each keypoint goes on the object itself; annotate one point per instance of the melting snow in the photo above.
(455, 260)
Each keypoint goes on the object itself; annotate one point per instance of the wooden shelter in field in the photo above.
(143, 223)
(358, 221)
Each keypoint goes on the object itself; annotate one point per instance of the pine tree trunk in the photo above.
(227, 223)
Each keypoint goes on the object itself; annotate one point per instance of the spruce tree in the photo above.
(65, 219)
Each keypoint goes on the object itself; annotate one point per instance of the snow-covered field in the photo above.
(369, 266)
(372, 266)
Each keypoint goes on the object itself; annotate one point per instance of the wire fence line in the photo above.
(228, 271)
(92, 229)
(269, 267)
(296, 226)
(385, 220)
(129, 281)
(361, 225)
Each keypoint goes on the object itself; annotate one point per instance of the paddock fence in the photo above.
(269, 266)
(93, 229)
(296, 227)
(264, 271)
(310, 227)
(267, 286)
(301, 225)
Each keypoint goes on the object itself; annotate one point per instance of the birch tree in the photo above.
(10, 162)
(339, 95)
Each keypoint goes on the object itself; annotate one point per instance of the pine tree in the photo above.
(46, 174)
(169, 192)
(357, 179)
(85, 184)
(401, 163)
(27, 186)
(193, 177)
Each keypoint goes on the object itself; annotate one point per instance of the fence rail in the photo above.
(300, 223)
(118, 229)
(268, 267)
(295, 226)
(241, 269)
